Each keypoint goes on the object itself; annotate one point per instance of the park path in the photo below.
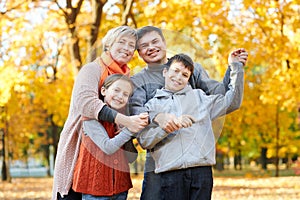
(281, 188)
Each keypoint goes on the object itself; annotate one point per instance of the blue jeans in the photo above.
(120, 196)
(72, 195)
(189, 184)
(151, 182)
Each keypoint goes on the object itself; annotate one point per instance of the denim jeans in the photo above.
(72, 195)
(120, 196)
(189, 184)
(151, 182)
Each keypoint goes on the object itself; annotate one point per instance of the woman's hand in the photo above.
(134, 123)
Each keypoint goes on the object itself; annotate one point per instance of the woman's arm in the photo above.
(85, 94)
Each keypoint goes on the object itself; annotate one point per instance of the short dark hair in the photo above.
(184, 59)
(147, 29)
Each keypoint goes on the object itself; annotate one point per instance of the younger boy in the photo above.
(184, 158)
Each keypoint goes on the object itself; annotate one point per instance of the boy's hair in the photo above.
(113, 34)
(147, 29)
(113, 78)
(184, 59)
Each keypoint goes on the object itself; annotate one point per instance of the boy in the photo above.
(184, 158)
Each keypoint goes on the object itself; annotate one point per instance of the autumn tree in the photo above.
(43, 44)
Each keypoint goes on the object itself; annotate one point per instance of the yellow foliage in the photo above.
(37, 68)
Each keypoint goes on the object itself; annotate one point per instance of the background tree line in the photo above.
(43, 44)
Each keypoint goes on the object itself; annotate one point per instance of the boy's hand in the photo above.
(238, 55)
(186, 120)
(168, 122)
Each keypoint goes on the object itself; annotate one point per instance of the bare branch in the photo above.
(127, 8)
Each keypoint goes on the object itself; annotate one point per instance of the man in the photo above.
(152, 47)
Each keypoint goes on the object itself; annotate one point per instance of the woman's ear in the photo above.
(103, 91)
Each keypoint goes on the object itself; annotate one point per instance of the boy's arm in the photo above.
(201, 80)
(235, 93)
(213, 87)
(99, 136)
(154, 132)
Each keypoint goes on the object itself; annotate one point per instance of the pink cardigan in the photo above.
(84, 102)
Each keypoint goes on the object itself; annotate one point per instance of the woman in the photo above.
(119, 45)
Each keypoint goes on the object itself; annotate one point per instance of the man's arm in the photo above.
(137, 101)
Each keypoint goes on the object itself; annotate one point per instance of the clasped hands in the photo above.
(170, 122)
(137, 122)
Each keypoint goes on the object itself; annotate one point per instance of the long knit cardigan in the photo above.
(85, 102)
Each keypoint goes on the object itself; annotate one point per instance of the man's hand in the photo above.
(238, 55)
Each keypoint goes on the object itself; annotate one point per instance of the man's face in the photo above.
(152, 48)
(177, 77)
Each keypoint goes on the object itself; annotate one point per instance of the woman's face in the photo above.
(117, 94)
(123, 49)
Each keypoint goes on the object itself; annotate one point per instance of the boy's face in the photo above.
(177, 77)
(152, 48)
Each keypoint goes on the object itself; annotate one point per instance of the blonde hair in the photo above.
(113, 34)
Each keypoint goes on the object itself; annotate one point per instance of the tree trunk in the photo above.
(55, 137)
(70, 14)
(277, 142)
(238, 160)
(4, 168)
(263, 158)
(127, 11)
(5, 176)
(97, 7)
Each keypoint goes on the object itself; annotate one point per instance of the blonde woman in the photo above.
(119, 45)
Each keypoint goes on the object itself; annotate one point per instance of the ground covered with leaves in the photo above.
(281, 188)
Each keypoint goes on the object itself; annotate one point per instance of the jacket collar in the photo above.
(167, 93)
